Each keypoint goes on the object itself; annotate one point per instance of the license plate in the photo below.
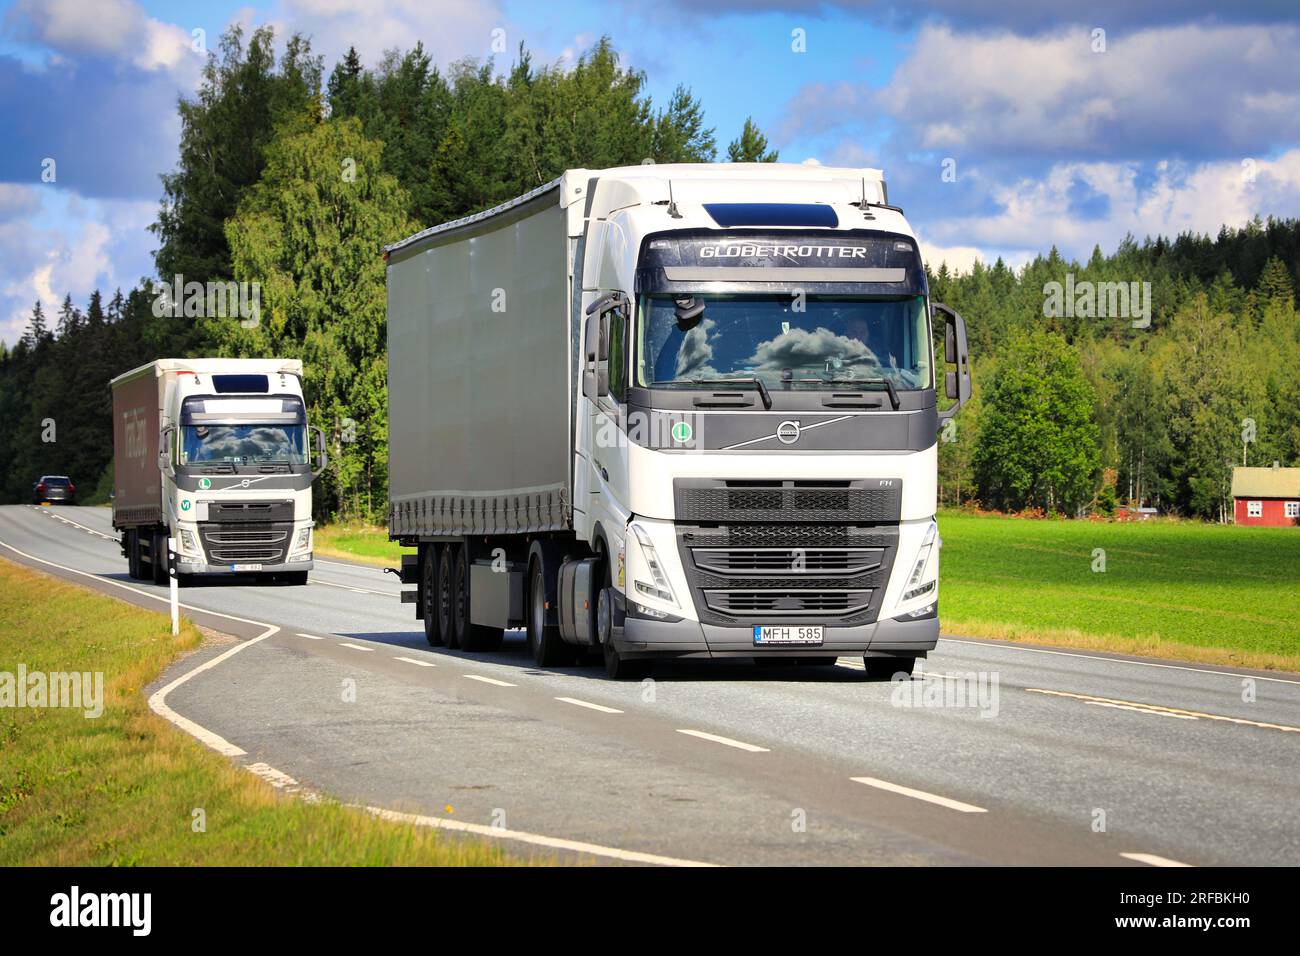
(246, 567)
(787, 634)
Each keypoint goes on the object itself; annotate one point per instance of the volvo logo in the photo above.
(787, 433)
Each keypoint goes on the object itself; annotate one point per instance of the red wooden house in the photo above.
(1267, 496)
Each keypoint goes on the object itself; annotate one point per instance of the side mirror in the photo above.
(165, 451)
(322, 459)
(957, 381)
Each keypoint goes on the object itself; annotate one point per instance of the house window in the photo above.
(1293, 509)
(1254, 509)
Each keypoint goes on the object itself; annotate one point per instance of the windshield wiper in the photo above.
(748, 380)
(889, 386)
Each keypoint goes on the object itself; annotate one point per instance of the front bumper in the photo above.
(184, 566)
(646, 638)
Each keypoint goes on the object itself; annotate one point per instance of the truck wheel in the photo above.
(429, 596)
(884, 668)
(447, 596)
(544, 641)
(618, 667)
(158, 557)
(295, 578)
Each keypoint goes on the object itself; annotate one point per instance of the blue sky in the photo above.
(1179, 116)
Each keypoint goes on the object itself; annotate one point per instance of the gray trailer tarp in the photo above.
(479, 381)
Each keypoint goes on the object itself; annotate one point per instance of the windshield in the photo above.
(807, 341)
(244, 444)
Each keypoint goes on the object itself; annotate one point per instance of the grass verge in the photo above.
(123, 788)
(366, 544)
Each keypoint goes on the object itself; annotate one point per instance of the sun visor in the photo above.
(243, 411)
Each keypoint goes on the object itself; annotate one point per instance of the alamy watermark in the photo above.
(974, 690)
(79, 690)
(209, 300)
(1101, 300)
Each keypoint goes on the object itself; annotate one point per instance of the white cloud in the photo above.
(1165, 200)
(119, 29)
(65, 245)
(449, 29)
(1195, 90)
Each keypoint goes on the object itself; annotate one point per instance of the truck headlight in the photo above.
(659, 587)
(188, 542)
(914, 587)
(303, 540)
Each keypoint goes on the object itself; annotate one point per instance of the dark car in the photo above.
(54, 488)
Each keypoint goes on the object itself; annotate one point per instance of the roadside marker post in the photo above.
(173, 589)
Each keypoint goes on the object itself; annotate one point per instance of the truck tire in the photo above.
(429, 595)
(617, 667)
(294, 578)
(158, 558)
(473, 637)
(884, 668)
(132, 554)
(447, 595)
(544, 641)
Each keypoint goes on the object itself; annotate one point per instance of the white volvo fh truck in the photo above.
(214, 453)
(682, 411)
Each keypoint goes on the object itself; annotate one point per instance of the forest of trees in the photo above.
(294, 178)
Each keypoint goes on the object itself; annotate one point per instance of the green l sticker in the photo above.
(682, 432)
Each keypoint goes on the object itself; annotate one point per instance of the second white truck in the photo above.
(215, 454)
(673, 411)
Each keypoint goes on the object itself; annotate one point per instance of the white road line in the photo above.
(1152, 860)
(500, 833)
(355, 647)
(1140, 710)
(738, 744)
(489, 680)
(158, 700)
(1167, 711)
(1118, 660)
(584, 703)
(98, 534)
(412, 660)
(919, 795)
(355, 590)
(310, 637)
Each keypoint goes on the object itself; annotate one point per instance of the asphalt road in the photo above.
(1077, 759)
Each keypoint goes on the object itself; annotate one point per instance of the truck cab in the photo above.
(757, 428)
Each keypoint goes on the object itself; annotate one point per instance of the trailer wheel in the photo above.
(447, 595)
(429, 596)
(544, 641)
(884, 668)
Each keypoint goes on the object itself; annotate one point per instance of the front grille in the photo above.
(784, 603)
(852, 502)
(787, 573)
(222, 511)
(787, 560)
(245, 543)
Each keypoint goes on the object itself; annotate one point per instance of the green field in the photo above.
(1185, 590)
(1213, 593)
(122, 788)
